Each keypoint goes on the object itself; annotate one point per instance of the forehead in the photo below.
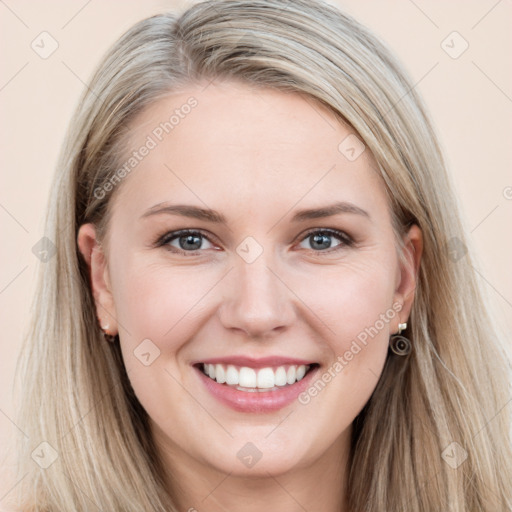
(238, 146)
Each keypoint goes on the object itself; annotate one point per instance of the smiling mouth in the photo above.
(244, 378)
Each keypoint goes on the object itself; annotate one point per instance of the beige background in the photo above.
(470, 100)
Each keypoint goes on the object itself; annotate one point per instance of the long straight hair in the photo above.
(443, 401)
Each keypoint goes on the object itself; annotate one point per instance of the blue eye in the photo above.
(186, 240)
(321, 239)
(190, 242)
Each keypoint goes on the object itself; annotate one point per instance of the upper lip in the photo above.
(251, 362)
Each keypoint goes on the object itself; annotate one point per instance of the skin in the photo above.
(257, 157)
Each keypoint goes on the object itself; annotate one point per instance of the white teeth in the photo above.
(290, 375)
(220, 374)
(301, 371)
(249, 378)
(266, 378)
(232, 377)
(280, 376)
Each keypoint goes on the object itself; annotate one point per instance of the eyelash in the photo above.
(164, 240)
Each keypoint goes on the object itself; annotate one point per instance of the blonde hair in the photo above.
(76, 394)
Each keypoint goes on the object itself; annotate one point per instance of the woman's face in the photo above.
(291, 257)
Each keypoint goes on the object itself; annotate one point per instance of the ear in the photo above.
(408, 272)
(99, 277)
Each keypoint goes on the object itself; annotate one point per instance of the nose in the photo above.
(256, 301)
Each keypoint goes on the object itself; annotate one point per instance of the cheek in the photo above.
(159, 309)
(356, 311)
(159, 302)
(350, 298)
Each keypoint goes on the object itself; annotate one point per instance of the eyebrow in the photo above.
(329, 211)
(186, 210)
(209, 215)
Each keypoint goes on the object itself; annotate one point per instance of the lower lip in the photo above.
(257, 401)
